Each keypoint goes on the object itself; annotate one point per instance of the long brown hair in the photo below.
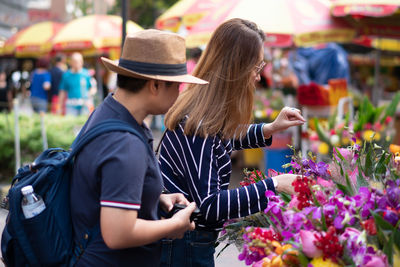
(224, 106)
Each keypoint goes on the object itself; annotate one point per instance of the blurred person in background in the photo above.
(56, 73)
(5, 93)
(40, 85)
(76, 86)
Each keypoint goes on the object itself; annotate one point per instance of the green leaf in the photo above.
(285, 197)
(321, 133)
(257, 176)
(271, 222)
(396, 238)
(222, 249)
(382, 163)
(349, 184)
(360, 177)
(368, 163)
(340, 155)
(323, 219)
(388, 249)
(302, 257)
(382, 223)
(391, 109)
(316, 202)
(343, 189)
(332, 119)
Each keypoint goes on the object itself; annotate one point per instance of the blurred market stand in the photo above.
(93, 35)
(36, 40)
(373, 19)
(286, 22)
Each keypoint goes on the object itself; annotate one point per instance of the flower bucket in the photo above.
(276, 157)
(253, 157)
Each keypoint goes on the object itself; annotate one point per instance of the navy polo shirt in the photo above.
(115, 170)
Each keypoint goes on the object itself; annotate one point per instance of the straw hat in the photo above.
(153, 54)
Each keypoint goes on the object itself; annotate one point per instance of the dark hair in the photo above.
(195, 53)
(42, 63)
(59, 57)
(130, 84)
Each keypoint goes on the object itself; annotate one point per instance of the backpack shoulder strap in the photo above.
(101, 128)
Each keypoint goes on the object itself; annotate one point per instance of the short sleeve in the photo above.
(47, 77)
(123, 171)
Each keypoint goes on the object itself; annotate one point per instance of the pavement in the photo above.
(228, 258)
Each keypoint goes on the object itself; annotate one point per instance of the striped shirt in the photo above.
(200, 169)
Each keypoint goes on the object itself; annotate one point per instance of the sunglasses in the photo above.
(260, 67)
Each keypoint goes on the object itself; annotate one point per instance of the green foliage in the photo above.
(143, 12)
(60, 131)
(370, 114)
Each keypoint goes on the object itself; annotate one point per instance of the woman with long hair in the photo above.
(204, 125)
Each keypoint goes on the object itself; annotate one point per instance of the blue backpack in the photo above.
(47, 239)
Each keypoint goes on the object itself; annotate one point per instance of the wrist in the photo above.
(267, 130)
(275, 182)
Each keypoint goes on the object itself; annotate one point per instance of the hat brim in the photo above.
(113, 66)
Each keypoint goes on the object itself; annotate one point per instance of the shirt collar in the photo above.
(126, 116)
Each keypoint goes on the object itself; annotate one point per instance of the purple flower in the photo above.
(374, 261)
(391, 217)
(393, 194)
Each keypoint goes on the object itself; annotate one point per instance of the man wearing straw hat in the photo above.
(116, 182)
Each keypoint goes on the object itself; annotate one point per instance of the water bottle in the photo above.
(32, 204)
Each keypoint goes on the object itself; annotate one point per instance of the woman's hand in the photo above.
(288, 117)
(167, 201)
(284, 183)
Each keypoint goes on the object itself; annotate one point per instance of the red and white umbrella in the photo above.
(377, 18)
(92, 34)
(285, 22)
(186, 13)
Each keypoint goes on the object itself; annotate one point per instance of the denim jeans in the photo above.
(196, 249)
(39, 104)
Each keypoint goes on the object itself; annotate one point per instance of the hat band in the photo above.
(153, 68)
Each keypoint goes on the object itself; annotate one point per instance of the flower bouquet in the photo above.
(345, 213)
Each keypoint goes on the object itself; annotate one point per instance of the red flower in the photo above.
(329, 244)
(302, 188)
(369, 226)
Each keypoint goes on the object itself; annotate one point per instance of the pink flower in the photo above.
(307, 241)
(375, 261)
(388, 119)
(353, 176)
(350, 234)
(377, 126)
(293, 202)
(321, 197)
(324, 183)
(346, 153)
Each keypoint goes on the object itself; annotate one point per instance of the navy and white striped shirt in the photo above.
(200, 168)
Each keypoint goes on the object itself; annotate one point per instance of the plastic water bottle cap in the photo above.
(26, 190)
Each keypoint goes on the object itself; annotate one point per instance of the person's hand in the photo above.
(167, 201)
(288, 117)
(285, 183)
(182, 221)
